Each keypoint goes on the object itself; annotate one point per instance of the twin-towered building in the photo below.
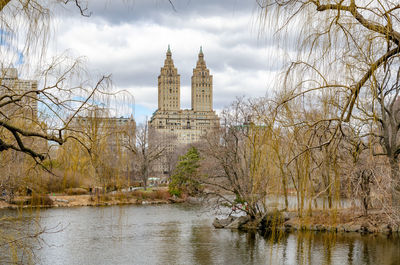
(187, 125)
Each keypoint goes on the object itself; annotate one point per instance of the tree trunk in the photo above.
(285, 192)
(327, 176)
(145, 184)
(144, 177)
(394, 171)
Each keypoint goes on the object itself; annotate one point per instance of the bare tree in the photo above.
(382, 120)
(58, 79)
(149, 147)
(347, 48)
(17, 126)
(238, 164)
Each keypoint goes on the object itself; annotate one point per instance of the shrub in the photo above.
(162, 194)
(151, 195)
(39, 200)
(58, 184)
(76, 191)
(122, 196)
(175, 192)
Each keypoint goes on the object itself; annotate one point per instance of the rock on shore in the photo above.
(231, 222)
(288, 221)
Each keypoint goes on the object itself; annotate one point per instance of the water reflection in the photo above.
(202, 248)
(318, 203)
(181, 234)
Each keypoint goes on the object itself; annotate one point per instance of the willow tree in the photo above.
(96, 154)
(308, 163)
(344, 45)
(62, 91)
(239, 160)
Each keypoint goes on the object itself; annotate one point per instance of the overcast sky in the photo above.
(129, 39)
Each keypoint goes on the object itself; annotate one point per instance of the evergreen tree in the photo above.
(186, 178)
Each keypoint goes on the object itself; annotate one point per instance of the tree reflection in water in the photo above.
(183, 234)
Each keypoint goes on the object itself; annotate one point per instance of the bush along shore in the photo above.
(340, 221)
(80, 198)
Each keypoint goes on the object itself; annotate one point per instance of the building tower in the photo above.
(202, 86)
(169, 86)
(172, 126)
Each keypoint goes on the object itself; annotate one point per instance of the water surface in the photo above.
(183, 234)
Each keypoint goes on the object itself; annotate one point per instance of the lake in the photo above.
(183, 234)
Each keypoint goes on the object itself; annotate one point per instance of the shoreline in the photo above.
(341, 222)
(68, 201)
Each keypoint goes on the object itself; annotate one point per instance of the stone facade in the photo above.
(169, 86)
(188, 125)
(19, 100)
(117, 132)
(24, 92)
(202, 86)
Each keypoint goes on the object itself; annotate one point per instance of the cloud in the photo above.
(129, 41)
(117, 12)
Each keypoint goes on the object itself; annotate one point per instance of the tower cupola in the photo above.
(169, 85)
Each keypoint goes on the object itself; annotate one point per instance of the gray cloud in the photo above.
(116, 12)
(129, 39)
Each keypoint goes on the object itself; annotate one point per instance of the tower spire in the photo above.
(201, 85)
(169, 53)
(201, 55)
(200, 62)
